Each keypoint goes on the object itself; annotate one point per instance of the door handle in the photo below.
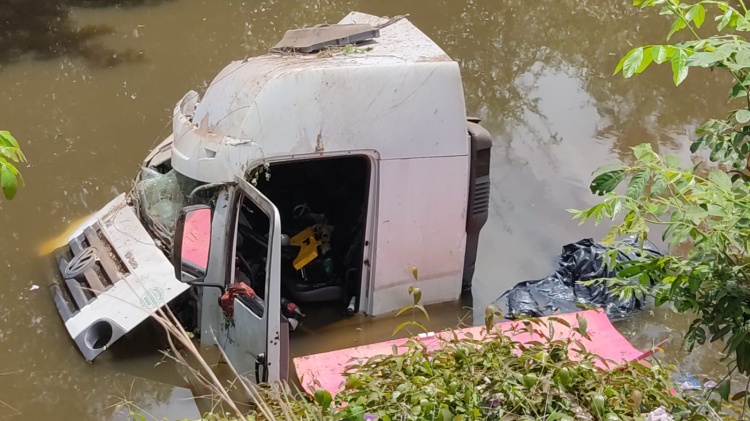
(260, 363)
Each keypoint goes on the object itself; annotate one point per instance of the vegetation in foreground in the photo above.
(703, 209)
(10, 154)
(498, 378)
(487, 378)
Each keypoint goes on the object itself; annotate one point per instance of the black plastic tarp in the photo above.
(564, 291)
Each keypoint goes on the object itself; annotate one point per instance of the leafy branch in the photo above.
(704, 215)
(10, 154)
(707, 213)
(726, 49)
(416, 294)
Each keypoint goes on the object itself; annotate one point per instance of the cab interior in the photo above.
(323, 206)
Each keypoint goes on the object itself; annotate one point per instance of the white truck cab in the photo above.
(313, 177)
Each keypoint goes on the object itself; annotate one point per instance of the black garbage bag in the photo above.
(564, 291)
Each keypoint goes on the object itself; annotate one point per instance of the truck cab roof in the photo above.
(398, 95)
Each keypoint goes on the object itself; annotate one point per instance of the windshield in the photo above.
(158, 198)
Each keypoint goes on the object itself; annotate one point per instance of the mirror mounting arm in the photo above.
(200, 283)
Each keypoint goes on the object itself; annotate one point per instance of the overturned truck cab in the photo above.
(312, 175)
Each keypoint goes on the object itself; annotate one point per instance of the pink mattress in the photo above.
(325, 369)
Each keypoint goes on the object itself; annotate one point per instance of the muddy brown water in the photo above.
(90, 96)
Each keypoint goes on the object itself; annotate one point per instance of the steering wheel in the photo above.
(300, 210)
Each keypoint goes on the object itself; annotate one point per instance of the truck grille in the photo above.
(89, 266)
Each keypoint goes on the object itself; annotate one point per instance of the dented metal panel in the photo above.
(309, 40)
(402, 97)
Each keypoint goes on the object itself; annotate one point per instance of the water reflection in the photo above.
(656, 325)
(537, 73)
(42, 29)
(176, 404)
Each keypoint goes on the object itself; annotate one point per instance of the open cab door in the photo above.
(243, 261)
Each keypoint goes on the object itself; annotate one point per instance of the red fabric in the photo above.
(227, 299)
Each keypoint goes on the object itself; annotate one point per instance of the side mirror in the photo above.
(192, 242)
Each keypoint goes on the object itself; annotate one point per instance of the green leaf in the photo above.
(11, 153)
(679, 66)
(644, 153)
(677, 25)
(695, 335)
(721, 179)
(4, 134)
(416, 294)
(644, 279)
(404, 310)
(630, 271)
(740, 395)
(408, 323)
(696, 213)
(658, 186)
(742, 58)
(742, 24)
(718, 151)
(628, 58)
(705, 59)
(632, 62)
(638, 183)
(647, 60)
(607, 182)
(612, 207)
(446, 414)
(721, 333)
(594, 211)
(582, 325)
(659, 54)
(690, 15)
(738, 90)
(610, 167)
(555, 416)
(700, 15)
(323, 398)
(661, 209)
(677, 234)
(715, 210)
(401, 327)
(620, 64)
(424, 311)
(723, 389)
(9, 183)
(725, 19)
(742, 116)
(135, 416)
(735, 340)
